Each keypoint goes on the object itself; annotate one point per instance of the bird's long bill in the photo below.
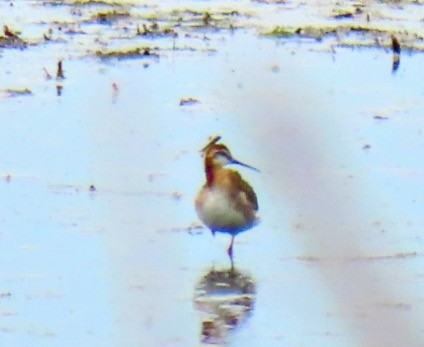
(245, 165)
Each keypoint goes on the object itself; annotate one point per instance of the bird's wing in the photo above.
(245, 187)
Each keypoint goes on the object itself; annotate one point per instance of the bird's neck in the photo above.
(210, 170)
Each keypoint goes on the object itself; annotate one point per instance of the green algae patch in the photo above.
(305, 32)
(97, 2)
(134, 53)
(154, 30)
(206, 19)
(280, 32)
(11, 39)
(10, 93)
(81, 3)
(350, 35)
(107, 17)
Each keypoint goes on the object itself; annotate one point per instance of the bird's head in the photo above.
(219, 155)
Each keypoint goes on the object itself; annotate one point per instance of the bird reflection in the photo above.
(225, 299)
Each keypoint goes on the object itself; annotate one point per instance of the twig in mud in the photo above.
(60, 74)
(206, 19)
(396, 53)
(115, 89)
(8, 33)
(47, 74)
(395, 45)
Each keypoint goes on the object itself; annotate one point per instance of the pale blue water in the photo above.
(117, 267)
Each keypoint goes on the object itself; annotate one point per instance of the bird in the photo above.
(226, 203)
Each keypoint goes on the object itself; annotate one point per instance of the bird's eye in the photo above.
(222, 158)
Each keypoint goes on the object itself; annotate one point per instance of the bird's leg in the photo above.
(230, 249)
(232, 273)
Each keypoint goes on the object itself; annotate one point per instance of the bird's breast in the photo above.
(220, 212)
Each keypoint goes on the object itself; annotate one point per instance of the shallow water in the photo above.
(337, 259)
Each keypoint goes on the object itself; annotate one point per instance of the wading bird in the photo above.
(226, 203)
